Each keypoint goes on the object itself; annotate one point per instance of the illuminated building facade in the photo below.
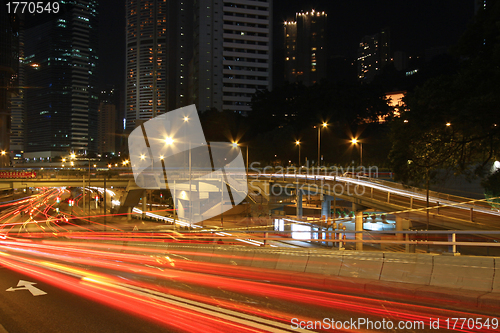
(373, 54)
(232, 53)
(158, 45)
(9, 63)
(305, 48)
(18, 108)
(60, 69)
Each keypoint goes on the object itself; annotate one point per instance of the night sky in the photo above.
(415, 25)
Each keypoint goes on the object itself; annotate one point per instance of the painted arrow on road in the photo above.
(27, 285)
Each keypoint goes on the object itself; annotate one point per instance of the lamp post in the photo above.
(4, 158)
(297, 143)
(236, 144)
(355, 142)
(319, 140)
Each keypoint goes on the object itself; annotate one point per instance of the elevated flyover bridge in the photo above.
(444, 211)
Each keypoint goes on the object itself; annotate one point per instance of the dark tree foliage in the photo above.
(300, 107)
(491, 186)
(453, 120)
(223, 126)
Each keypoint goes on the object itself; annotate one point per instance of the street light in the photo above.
(319, 139)
(236, 144)
(355, 142)
(297, 143)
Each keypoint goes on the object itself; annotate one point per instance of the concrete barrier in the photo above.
(367, 265)
(241, 256)
(472, 273)
(222, 255)
(294, 261)
(190, 252)
(266, 259)
(324, 264)
(407, 268)
(496, 280)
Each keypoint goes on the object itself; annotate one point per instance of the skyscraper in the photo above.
(232, 53)
(18, 107)
(61, 61)
(212, 53)
(305, 47)
(373, 54)
(158, 52)
(9, 63)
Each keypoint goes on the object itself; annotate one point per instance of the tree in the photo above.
(453, 120)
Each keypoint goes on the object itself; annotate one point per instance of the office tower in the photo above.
(373, 54)
(232, 53)
(106, 135)
(61, 61)
(305, 47)
(9, 63)
(159, 40)
(18, 107)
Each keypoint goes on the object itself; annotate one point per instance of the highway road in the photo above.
(60, 311)
(107, 287)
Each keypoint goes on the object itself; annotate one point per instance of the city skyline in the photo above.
(414, 28)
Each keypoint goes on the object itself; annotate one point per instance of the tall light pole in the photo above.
(236, 144)
(4, 157)
(319, 140)
(297, 143)
(355, 142)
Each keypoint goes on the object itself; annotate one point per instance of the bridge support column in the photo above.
(299, 204)
(144, 201)
(326, 203)
(359, 227)
(358, 223)
(129, 213)
(399, 227)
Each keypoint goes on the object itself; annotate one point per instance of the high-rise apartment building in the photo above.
(373, 54)
(212, 53)
(61, 60)
(232, 53)
(305, 47)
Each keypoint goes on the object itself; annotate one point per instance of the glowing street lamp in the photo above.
(297, 143)
(236, 144)
(319, 139)
(355, 142)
